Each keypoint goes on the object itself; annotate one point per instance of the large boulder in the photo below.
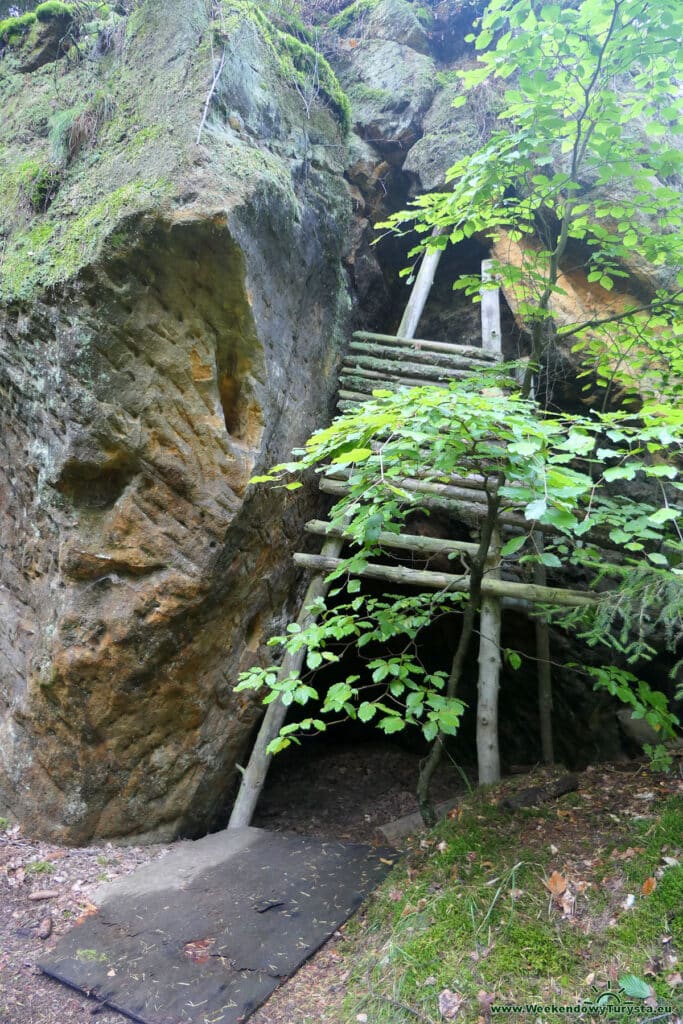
(171, 312)
(382, 60)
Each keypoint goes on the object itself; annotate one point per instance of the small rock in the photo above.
(44, 929)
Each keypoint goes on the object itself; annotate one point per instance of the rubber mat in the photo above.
(207, 933)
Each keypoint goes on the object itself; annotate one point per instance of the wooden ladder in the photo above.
(377, 361)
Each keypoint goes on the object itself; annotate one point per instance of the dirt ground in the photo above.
(339, 791)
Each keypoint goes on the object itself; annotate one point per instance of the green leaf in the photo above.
(513, 545)
(635, 987)
(367, 711)
(514, 660)
(390, 725)
(355, 455)
(536, 509)
(665, 515)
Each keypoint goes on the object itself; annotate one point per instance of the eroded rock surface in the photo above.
(169, 324)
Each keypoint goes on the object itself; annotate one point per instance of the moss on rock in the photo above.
(298, 61)
(13, 30)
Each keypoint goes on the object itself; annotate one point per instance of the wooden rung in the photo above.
(438, 499)
(436, 346)
(429, 580)
(457, 487)
(358, 373)
(396, 367)
(401, 541)
(396, 352)
(352, 396)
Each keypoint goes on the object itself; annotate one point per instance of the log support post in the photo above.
(254, 775)
(490, 620)
(545, 683)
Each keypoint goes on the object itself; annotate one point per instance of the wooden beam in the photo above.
(401, 367)
(254, 775)
(421, 290)
(400, 541)
(427, 345)
(449, 581)
(490, 312)
(488, 683)
(394, 352)
(437, 496)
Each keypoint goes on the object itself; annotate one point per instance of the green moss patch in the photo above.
(299, 63)
(53, 9)
(13, 30)
(556, 905)
(50, 252)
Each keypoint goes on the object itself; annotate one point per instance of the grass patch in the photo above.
(500, 908)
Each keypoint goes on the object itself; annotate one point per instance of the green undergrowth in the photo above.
(469, 912)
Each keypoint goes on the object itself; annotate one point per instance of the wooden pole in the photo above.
(545, 682)
(490, 311)
(254, 775)
(490, 620)
(491, 612)
(420, 292)
(429, 580)
(426, 345)
(412, 542)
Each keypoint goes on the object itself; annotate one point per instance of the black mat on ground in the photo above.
(205, 936)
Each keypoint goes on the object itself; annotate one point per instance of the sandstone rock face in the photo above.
(384, 66)
(170, 324)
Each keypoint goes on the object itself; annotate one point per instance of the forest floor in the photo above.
(541, 902)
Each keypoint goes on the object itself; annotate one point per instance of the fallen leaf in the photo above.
(556, 884)
(671, 862)
(442, 846)
(649, 886)
(485, 1000)
(395, 895)
(111, 973)
(674, 979)
(590, 978)
(431, 980)
(44, 929)
(450, 1004)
